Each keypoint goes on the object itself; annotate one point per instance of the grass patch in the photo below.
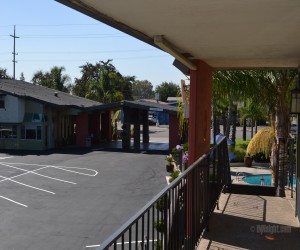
(239, 149)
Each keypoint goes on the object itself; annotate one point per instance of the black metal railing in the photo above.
(178, 216)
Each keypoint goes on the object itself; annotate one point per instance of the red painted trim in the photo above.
(174, 136)
(82, 126)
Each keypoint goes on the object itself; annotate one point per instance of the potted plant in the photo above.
(163, 203)
(159, 225)
(174, 175)
(248, 160)
(158, 245)
(261, 144)
(169, 166)
(177, 154)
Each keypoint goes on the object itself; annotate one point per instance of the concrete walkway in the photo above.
(253, 222)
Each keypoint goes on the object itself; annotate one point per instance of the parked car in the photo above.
(152, 120)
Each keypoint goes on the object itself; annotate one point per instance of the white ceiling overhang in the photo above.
(231, 34)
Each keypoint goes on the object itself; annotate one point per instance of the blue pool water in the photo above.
(255, 179)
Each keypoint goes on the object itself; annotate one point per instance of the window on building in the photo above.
(35, 117)
(8, 131)
(31, 132)
(2, 104)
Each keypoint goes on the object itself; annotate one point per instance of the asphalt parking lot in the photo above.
(72, 200)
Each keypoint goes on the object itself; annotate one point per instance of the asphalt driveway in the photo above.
(72, 200)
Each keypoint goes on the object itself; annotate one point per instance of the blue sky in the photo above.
(52, 34)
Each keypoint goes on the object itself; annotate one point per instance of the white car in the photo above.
(152, 120)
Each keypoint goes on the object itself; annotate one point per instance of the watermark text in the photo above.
(271, 229)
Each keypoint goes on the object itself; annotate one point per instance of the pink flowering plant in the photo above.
(185, 157)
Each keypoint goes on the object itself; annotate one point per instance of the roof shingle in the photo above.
(45, 95)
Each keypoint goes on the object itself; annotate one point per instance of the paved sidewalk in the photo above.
(253, 222)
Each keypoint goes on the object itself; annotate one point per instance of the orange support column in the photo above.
(200, 110)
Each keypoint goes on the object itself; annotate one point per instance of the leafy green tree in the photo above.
(4, 74)
(88, 82)
(123, 84)
(142, 90)
(167, 89)
(53, 79)
(102, 82)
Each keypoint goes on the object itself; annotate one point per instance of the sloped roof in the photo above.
(152, 101)
(150, 106)
(44, 95)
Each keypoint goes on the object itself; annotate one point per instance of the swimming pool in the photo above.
(255, 179)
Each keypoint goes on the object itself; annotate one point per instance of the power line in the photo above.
(54, 25)
(83, 52)
(89, 59)
(14, 52)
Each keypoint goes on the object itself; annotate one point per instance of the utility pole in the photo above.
(14, 52)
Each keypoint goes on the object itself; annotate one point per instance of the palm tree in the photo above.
(273, 90)
(59, 79)
(53, 79)
(269, 89)
(255, 111)
(228, 88)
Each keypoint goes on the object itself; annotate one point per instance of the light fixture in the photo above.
(295, 101)
(262, 181)
(162, 43)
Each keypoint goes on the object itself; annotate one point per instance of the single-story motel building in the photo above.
(34, 117)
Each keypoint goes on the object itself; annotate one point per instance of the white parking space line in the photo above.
(3, 197)
(62, 168)
(58, 167)
(15, 176)
(34, 172)
(26, 185)
(7, 157)
(72, 171)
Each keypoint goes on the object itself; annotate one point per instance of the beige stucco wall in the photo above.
(14, 110)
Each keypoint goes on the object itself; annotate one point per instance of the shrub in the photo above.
(174, 175)
(261, 143)
(158, 245)
(260, 157)
(239, 150)
(159, 225)
(162, 203)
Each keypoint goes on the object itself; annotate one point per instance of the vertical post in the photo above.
(297, 212)
(281, 161)
(145, 127)
(298, 161)
(200, 110)
(14, 52)
(174, 136)
(137, 129)
(126, 129)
